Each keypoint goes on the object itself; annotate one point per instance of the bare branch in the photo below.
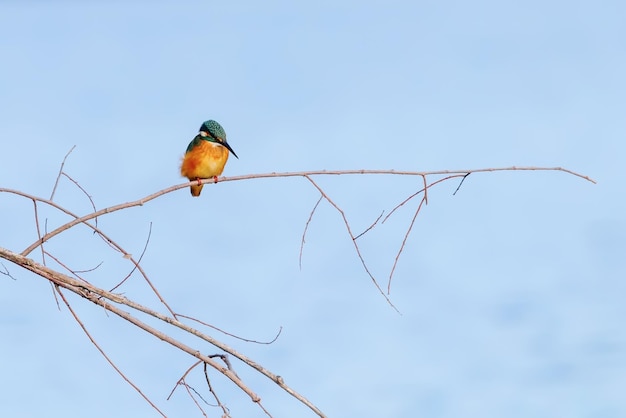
(111, 301)
(100, 296)
(142, 201)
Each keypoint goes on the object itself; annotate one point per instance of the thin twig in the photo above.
(264, 410)
(198, 394)
(145, 247)
(189, 389)
(230, 334)
(90, 269)
(371, 226)
(306, 227)
(93, 205)
(193, 398)
(66, 267)
(6, 272)
(217, 399)
(56, 183)
(460, 184)
(43, 257)
(43, 252)
(406, 236)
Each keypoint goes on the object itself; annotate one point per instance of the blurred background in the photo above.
(511, 292)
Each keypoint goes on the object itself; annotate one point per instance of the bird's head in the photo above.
(214, 130)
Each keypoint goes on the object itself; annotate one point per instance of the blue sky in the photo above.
(511, 291)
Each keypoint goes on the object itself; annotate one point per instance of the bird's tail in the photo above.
(195, 190)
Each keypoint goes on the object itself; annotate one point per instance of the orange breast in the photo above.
(204, 161)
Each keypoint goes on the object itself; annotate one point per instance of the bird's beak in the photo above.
(229, 149)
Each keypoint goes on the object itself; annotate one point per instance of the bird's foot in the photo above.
(199, 180)
(215, 179)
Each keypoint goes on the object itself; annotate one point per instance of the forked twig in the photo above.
(6, 272)
(183, 382)
(356, 246)
(182, 378)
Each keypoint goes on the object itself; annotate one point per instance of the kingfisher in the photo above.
(206, 155)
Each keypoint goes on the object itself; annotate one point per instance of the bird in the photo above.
(206, 155)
